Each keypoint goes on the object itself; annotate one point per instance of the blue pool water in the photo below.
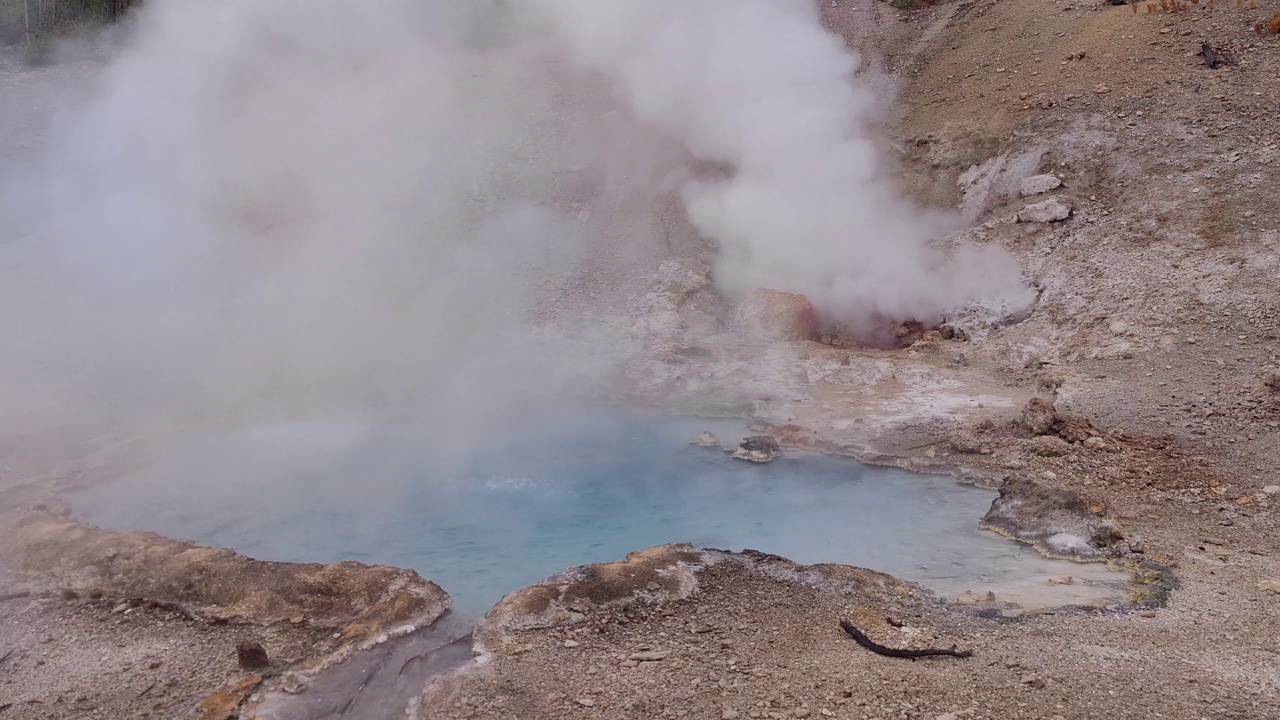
(484, 518)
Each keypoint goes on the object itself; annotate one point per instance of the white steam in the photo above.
(761, 86)
(283, 206)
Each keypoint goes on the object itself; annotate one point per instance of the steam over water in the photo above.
(537, 502)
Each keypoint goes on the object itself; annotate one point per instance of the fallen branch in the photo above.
(878, 649)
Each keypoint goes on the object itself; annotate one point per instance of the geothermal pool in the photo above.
(484, 513)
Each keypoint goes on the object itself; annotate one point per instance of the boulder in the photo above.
(758, 449)
(777, 315)
(1047, 211)
(708, 440)
(1039, 184)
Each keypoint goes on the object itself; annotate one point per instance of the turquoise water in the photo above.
(482, 517)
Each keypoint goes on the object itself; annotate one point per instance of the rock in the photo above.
(120, 608)
(729, 715)
(1047, 211)
(1060, 523)
(801, 712)
(1039, 184)
(1050, 446)
(1096, 443)
(758, 449)
(1032, 680)
(1039, 416)
(1271, 379)
(1271, 490)
(968, 444)
(293, 683)
(586, 702)
(777, 315)
(1271, 585)
(1075, 430)
(571, 643)
(707, 440)
(648, 656)
(251, 655)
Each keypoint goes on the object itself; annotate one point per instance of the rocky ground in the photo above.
(1153, 345)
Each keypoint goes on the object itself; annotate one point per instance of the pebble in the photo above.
(1052, 210)
(1039, 184)
(571, 643)
(1271, 585)
(586, 702)
(729, 715)
(1032, 680)
(1271, 490)
(648, 656)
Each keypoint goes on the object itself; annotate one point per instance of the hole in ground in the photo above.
(483, 514)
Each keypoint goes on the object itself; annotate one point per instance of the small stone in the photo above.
(931, 453)
(120, 608)
(1039, 184)
(1271, 490)
(1271, 585)
(653, 587)
(648, 656)
(801, 712)
(758, 449)
(571, 643)
(112, 553)
(1050, 446)
(586, 702)
(1039, 416)
(297, 620)
(947, 716)
(251, 655)
(1047, 211)
(729, 715)
(1249, 213)
(153, 664)
(1033, 681)
(1064, 580)
(967, 444)
(1096, 443)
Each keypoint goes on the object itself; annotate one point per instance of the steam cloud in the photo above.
(282, 205)
(762, 86)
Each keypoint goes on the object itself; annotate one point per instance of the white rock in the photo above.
(1052, 210)
(1039, 184)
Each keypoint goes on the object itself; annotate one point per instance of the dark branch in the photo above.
(878, 649)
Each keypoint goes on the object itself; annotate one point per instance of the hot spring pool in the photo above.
(572, 490)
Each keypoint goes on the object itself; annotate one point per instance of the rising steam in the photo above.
(276, 205)
(761, 86)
